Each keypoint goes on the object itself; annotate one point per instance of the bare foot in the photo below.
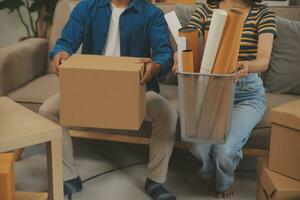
(228, 194)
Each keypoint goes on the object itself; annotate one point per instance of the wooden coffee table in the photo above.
(20, 127)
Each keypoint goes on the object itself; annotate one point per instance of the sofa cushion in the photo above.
(184, 13)
(36, 91)
(284, 70)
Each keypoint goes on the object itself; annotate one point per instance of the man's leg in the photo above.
(164, 119)
(50, 110)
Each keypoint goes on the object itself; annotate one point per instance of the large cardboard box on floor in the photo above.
(7, 176)
(285, 140)
(274, 186)
(102, 92)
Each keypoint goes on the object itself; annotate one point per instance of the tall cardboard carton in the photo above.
(102, 92)
(7, 176)
(285, 140)
(274, 186)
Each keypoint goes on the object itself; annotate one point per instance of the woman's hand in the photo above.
(243, 70)
(175, 66)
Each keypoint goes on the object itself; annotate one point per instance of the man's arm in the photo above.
(72, 33)
(162, 52)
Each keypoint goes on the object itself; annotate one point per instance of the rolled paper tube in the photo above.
(210, 104)
(192, 42)
(215, 33)
(173, 23)
(223, 115)
(187, 61)
(181, 45)
(227, 56)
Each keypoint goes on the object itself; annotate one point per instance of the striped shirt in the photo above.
(259, 20)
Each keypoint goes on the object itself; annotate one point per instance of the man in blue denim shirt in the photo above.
(122, 28)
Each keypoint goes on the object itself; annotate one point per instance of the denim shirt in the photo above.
(143, 33)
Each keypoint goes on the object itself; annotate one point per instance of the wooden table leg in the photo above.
(18, 154)
(55, 173)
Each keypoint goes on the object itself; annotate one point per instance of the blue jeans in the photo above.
(220, 160)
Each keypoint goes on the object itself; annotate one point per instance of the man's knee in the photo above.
(50, 108)
(161, 107)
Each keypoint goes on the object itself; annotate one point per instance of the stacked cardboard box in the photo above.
(274, 186)
(279, 178)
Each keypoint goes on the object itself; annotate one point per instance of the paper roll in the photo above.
(181, 46)
(192, 42)
(212, 93)
(187, 61)
(173, 23)
(215, 33)
(189, 99)
(227, 56)
(224, 106)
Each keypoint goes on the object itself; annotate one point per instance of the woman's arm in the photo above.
(261, 63)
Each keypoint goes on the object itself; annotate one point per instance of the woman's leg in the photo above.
(204, 154)
(245, 116)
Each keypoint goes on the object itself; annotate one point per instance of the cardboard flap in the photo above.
(96, 62)
(142, 72)
(268, 186)
(287, 115)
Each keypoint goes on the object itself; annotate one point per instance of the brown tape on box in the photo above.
(192, 42)
(227, 56)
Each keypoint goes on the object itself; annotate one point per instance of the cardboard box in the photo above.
(7, 176)
(285, 140)
(102, 92)
(274, 186)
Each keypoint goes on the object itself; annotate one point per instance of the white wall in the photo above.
(11, 28)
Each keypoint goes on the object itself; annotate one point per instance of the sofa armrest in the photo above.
(21, 63)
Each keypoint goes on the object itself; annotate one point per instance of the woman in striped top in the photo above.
(220, 160)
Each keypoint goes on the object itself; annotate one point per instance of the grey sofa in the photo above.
(27, 78)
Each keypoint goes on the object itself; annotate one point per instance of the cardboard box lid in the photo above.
(277, 185)
(287, 115)
(96, 62)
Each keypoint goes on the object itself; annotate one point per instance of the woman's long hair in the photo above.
(249, 2)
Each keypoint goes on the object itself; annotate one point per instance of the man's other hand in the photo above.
(58, 60)
(151, 70)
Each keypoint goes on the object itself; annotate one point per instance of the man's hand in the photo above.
(151, 70)
(243, 70)
(175, 66)
(58, 60)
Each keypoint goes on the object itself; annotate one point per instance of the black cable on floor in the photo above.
(115, 169)
(109, 171)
